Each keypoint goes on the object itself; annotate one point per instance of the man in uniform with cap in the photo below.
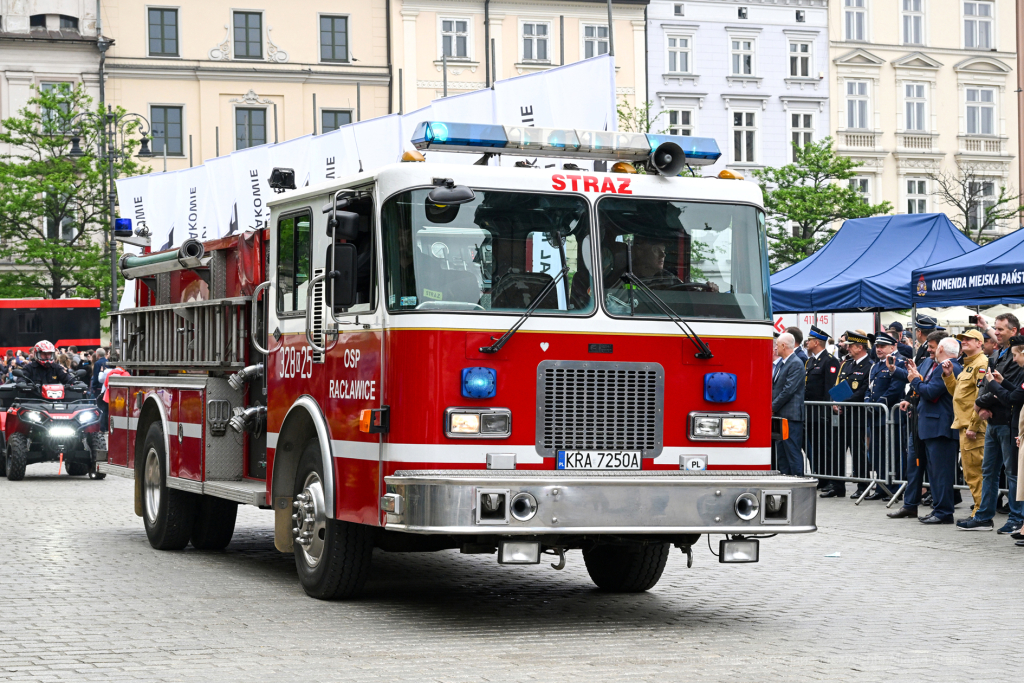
(964, 390)
(852, 425)
(821, 371)
(887, 388)
(896, 332)
(924, 326)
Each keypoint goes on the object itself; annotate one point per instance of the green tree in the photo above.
(804, 199)
(637, 119)
(52, 205)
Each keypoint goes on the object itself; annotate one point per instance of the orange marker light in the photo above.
(726, 174)
(365, 419)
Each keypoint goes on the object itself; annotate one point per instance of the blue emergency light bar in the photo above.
(557, 142)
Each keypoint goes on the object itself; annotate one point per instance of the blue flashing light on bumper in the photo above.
(479, 382)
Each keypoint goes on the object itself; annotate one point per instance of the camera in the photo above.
(972, 319)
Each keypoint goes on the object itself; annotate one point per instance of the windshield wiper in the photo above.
(496, 346)
(703, 352)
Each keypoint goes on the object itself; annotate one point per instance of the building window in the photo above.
(680, 122)
(742, 57)
(37, 21)
(163, 33)
(800, 60)
(334, 119)
(535, 42)
(917, 196)
(250, 127)
(334, 39)
(801, 16)
(294, 245)
(915, 106)
(802, 131)
(741, 13)
(54, 120)
(248, 35)
(981, 111)
(857, 104)
(68, 23)
(855, 19)
(744, 132)
(913, 22)
(455, 38)
(978, 25)
(679, 10)
(595, 41)
(983, 192)
(862, 185)
(166, 129)
(678, 54)
(67, 229)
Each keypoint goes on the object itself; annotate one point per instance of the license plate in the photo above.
(598, 460)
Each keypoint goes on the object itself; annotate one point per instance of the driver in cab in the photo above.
(648, 261)
(44, 368)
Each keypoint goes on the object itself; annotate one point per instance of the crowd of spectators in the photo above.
(959, 399)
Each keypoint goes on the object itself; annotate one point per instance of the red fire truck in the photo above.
(516, 360)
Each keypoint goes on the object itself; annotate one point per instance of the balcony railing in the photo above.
(916, 143)
(978, 144)
(859, 140)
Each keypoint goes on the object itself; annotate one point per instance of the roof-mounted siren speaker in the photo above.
(282, 179)
(667, 159)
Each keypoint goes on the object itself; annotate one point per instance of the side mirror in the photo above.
(18, 372)
(345, 225)
(82, 372)
(343, 275)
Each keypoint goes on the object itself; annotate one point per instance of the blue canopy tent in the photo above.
(992, 274)
(867, 264)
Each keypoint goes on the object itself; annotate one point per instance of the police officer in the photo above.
(852, 424)
(925, 325)
(821, 371)
(885, 387)
(896, 332)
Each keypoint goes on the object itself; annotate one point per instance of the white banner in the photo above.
(581, 95)
(164, 194)
(222, 194)
(410, 121)
(294, 154)
(470, 107)
(376, 142)
(134, 199)
(250, 170)
(192, 206)
(326, 151)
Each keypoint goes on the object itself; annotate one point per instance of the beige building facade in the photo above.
(522, 36)
(921, 87)
(213, 77)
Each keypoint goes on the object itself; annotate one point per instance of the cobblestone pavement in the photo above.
(84, 597)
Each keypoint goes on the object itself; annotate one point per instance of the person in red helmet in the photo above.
(44, 368)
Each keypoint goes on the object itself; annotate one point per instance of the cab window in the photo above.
(293, 234)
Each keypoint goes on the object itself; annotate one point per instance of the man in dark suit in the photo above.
(788, 403)
(798, 335)
(935, 417)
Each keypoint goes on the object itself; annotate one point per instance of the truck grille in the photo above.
(586, 405)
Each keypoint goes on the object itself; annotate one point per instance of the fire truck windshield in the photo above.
(495, 253)
(703, 260)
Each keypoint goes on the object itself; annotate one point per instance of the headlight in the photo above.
(33, 416)
(483, 423)
(60, 432)
(87, 416)
(719, 426)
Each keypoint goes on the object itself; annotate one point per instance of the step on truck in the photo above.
(520, 361)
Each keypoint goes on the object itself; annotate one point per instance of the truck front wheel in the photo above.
(167, 513)
(332, 557)
(626, 568)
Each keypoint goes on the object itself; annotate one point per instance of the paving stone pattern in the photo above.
(83, 597)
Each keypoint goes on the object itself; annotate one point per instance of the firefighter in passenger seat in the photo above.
(44, 369)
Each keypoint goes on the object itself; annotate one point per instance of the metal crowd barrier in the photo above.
(849, 442)
(862, 443)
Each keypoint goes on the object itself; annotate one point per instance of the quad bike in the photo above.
(50, 423)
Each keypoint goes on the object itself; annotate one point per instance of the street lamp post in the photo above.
(114, 144)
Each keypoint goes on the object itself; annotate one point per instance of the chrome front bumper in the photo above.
(574, 502)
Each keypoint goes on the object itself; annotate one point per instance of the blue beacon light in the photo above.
(122, 227)
(479, 382)
(719, 387)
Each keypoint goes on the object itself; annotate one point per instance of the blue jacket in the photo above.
(884, 386)
(788, 390)
(935, 409)
(801, 354)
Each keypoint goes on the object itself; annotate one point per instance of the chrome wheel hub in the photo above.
(151, 485)
(310, 520)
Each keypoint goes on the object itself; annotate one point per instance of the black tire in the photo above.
(347, 548)
(626, 568)
(17, 457)
(215, 523)
(167, 513)
(78, 469)
(3, 455)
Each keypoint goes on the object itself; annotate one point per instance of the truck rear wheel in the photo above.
(626, 568)
(215, 523)
(17, 457)
(167, 513)
(332, 557)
